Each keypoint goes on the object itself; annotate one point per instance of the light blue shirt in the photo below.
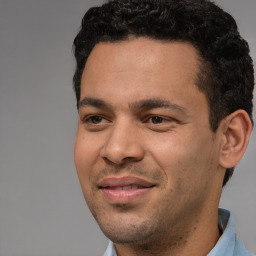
(227, 245)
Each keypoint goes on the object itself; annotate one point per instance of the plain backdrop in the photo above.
(42, 210)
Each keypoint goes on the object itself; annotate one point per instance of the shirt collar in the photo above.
(110, 250)
(226, 243)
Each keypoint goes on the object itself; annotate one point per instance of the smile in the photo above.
(124, 190)
(131, 187)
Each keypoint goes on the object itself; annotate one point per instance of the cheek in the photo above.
(85, 154)
(84, 157)
(168, 150)
(181, 157)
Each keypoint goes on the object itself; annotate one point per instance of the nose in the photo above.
(123, 145)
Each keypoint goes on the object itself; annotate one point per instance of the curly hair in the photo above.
(226, 74)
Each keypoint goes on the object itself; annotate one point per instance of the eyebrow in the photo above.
(93, 102)
(153, 103)
(145, 104)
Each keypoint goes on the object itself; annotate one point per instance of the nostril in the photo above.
(120, 148)
(129, 159)
(123, 161)
(107, 161)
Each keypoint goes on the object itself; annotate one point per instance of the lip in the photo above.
(124, 181)
(111, 188)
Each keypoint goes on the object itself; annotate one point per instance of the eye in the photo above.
(94, 119)
(160, 123)
(95, 123)
(157, 119)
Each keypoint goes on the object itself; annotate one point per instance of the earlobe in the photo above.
(236, 133)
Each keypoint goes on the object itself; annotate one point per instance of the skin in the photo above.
(120, 134)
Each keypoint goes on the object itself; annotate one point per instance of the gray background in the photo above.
(42, 210)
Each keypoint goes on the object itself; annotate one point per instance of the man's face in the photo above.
(147, 160)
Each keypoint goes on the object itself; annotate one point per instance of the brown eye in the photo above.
(95, 119)
(157, 119)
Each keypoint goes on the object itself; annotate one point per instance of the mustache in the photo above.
(151, 174)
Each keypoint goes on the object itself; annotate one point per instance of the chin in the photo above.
(127, 237)
(134, 232)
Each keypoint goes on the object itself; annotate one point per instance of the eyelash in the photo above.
(155, 119)
(89, 119)
(92, 119)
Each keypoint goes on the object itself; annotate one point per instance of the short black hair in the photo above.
(226, 74)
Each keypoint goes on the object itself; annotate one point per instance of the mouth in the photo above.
(125, 189)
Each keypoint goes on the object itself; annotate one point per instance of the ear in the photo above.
(236, 130)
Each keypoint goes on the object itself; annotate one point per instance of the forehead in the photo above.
(141, 68)
(143, 54)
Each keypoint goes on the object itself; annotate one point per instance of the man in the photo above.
(164, 94)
